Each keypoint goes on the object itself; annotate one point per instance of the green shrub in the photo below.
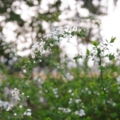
(74, 93)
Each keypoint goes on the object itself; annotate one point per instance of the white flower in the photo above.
(57, 96)
(80, 113)
(48, 36)
(74, 28)
(59, 108)
(72, 94)
(28, 112)
(8, 108)
(24, 71)
(70, 101)
(15, 93)
(77, 100)
(89, 92)
(38, 46)
(70, 90)
(118, 79)
(15, 114)
(69, 76)
(35, 46)
(4, 104)
(20, 106)
(65, 110)
(68, 110)
(114, 104)
(86, 89)
(55, 90)
(76, 112)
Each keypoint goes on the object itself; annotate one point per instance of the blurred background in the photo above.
(24, 22)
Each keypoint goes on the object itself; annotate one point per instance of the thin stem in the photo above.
(101, 77)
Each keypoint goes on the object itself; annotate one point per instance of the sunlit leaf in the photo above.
(112, 39)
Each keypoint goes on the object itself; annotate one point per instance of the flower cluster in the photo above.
(55, 91)
(15, 93)
(37, 47)
(64, 110)
(5, 105)
(81, 112)
(28, 112)
(61, 32)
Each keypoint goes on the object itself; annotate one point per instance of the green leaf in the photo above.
(83, 33)
(77, 57)
(102, 68)
(95, 43)
(72, 33)
(112, 39)
(111, 57)
(88, 52)
(98, 50)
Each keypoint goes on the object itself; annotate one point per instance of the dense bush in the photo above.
(73, 93)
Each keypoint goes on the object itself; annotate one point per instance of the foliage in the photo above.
(69, 93)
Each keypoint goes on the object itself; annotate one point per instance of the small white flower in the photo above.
(15, 114)
(70, 101)
(57, 96)
(76, 112)
(20, 106)
(70, 90)
(24, 70)
(68, 110)
(86, 89)
(4, 104)
(89, 92)
(59, 108)
(80, 113)
(77, 100)
(65, 110)
(40, 60)
(35, 46)
(114, 104)
(51, 45)
(72, 94)
(74, 28)
(15, 93)
(28, 112)
(8, 108)
(69, 76)
(33, 55)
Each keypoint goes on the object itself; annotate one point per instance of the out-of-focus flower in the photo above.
(15, 93)
(70, 90)
(28, 112)
(77, 100)
(15, 114)
(80, 113)
(65, 110)
(5, 105)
